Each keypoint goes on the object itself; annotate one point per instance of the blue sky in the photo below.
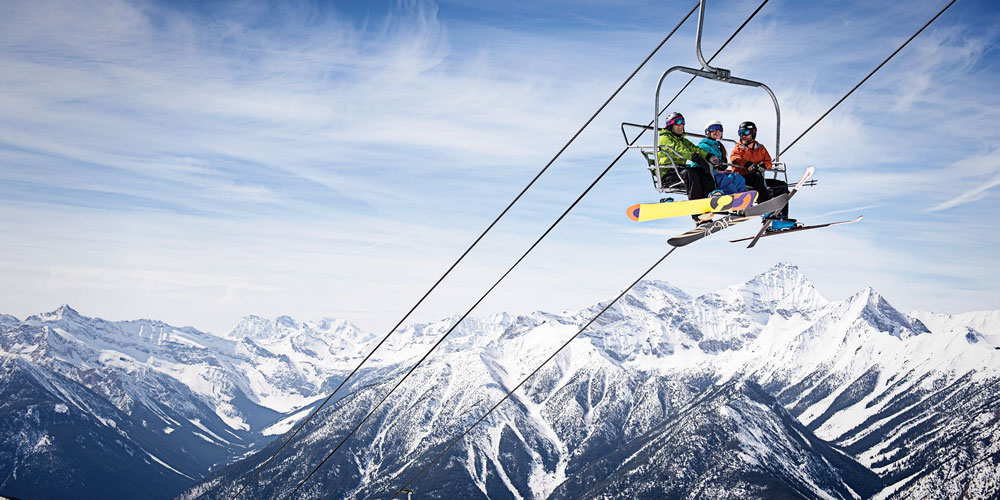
(197, 162)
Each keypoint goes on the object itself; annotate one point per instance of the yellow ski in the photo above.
(721, 203)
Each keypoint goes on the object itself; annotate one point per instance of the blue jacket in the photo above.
(727, 182)
(730, 182)
(713, 146)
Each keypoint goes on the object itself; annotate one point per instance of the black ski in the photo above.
(776, 203)
(769, 206)
(791, 192)
(800, 228)
(706, 229)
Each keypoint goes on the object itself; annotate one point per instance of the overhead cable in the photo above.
(532, 374)
(460, 258)
(573, 138)
(507, 396)
(730, 39)
(869, 76)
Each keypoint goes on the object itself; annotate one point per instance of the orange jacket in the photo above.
(755, 152)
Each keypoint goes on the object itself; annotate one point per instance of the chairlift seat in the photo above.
(666, 178)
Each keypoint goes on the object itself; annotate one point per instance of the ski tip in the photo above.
(633, 212)
(809, 172)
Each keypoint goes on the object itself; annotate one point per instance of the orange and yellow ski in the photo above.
(721, 203)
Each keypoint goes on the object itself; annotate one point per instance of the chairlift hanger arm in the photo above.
(717, 74)
(697, 42)
(728, 79)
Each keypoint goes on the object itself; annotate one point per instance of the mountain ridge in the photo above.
(847, 371)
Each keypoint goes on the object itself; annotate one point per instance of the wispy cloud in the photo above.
(300, 157)
(971, 196)
(133, 87)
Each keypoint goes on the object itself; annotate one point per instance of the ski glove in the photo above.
(715, 161)
(754, 167)
(700, 161)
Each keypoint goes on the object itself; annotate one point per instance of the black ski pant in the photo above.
(778, 188)
(766, 189)
(698, 182)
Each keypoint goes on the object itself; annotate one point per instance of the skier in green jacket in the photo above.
(675, 149)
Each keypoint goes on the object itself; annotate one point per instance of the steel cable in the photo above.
(532, 374)
(867, 77)
(507, 396)
(308, 419)
(620, 155)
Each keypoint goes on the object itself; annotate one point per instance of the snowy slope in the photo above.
(180, 399)
(766, 387)
(856, 372)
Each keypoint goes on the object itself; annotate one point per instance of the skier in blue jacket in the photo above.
(726, 181)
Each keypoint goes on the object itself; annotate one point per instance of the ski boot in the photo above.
(782, 224)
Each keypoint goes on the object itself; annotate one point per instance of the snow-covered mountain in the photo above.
(765, 389)
(120, 405)
(762, 390)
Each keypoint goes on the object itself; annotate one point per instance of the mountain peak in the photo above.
(870, 297)
(882, 316)
(286, 322)
(62, 312)
(649, 295)
(646, 287)
(783, 276)
(338, 327)
(782, 271)
(259, 328)
(782, 285)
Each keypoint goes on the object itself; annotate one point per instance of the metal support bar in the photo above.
(711, 76)
(717, 74)
(697, 41)
(711, 73)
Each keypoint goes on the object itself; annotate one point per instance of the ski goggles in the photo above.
(715, 128)
(746, 131)
(675, 121)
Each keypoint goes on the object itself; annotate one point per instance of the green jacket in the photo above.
(678, 143)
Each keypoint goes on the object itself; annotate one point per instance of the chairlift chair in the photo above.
(666, 178)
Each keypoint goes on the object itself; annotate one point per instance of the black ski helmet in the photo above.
(748, 126)
(674, 118)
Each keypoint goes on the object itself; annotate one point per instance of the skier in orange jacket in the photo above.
(752, 159)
